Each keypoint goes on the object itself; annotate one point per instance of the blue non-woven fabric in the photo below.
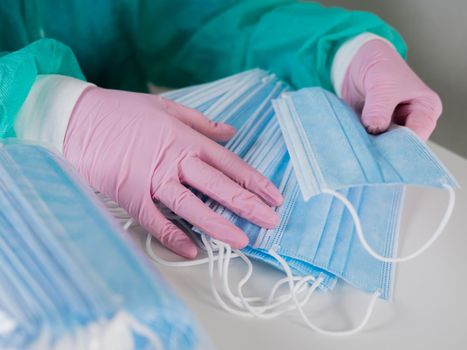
(244, 101)
(68, 276)
(330, 148)
(321, 233)
(315, 237)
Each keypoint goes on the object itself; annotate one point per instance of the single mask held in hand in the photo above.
(331, 150)
(315, 241)
(69, 278)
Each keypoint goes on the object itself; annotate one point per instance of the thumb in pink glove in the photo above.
(383, 88)
(140, 148)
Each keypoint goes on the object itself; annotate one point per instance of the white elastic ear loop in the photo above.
(224, 274)
(272, 302)
(223, 258)
(186, 263)
(128, 224)
(275, 303)
(209, 260)
(428, 243)
(222, 261)
(218, 298)
(315, 285)
(241, 301)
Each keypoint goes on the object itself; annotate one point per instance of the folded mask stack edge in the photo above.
(238, 101)
(330, 149)
(70, 279)
(310, 142)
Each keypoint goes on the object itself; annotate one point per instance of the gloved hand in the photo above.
(383, 88)
(140, 148)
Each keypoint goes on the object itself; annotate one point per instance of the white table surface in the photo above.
(429, 310)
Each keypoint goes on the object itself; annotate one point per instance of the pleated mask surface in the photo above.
(316, 238)
(68, 277)
(330, 150)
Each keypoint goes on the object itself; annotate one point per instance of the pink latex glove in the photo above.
(383, 88)
(136, 148)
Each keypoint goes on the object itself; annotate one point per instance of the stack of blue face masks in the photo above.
(330, 150)
(319, 147)
(68, 278)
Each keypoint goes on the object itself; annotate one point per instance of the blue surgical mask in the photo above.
(244, 101)
(68, 277)
(330, 150)
(315, 238)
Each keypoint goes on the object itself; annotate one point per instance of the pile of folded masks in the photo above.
(69, 276)
(342, 187)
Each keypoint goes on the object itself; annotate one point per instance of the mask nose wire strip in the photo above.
(423, 248)
(315, 285)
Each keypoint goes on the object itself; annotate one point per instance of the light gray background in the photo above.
(436, 34)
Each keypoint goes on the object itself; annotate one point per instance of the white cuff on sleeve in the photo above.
(45, 114)
(344, 56)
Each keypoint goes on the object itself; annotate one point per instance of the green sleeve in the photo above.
(126, 43)
(18, 72)
(295, 40)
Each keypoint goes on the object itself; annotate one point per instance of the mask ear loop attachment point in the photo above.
(358, 227)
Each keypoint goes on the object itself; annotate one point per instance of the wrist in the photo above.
(346, 56)
(367, 68)
(46, 112)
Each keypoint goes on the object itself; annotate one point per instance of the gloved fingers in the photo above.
(246, 176)
(377, 112)
(184, 203)
(419, 115)
(165, 231)
(422, 125)
(198, 121)
(223, 190)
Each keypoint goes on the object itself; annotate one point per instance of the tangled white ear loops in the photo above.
(263, 308)
(259, 307)
(212, 282)
(315, 285)
(183, 263)
(358, 227)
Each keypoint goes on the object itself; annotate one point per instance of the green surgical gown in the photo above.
(125, 44)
